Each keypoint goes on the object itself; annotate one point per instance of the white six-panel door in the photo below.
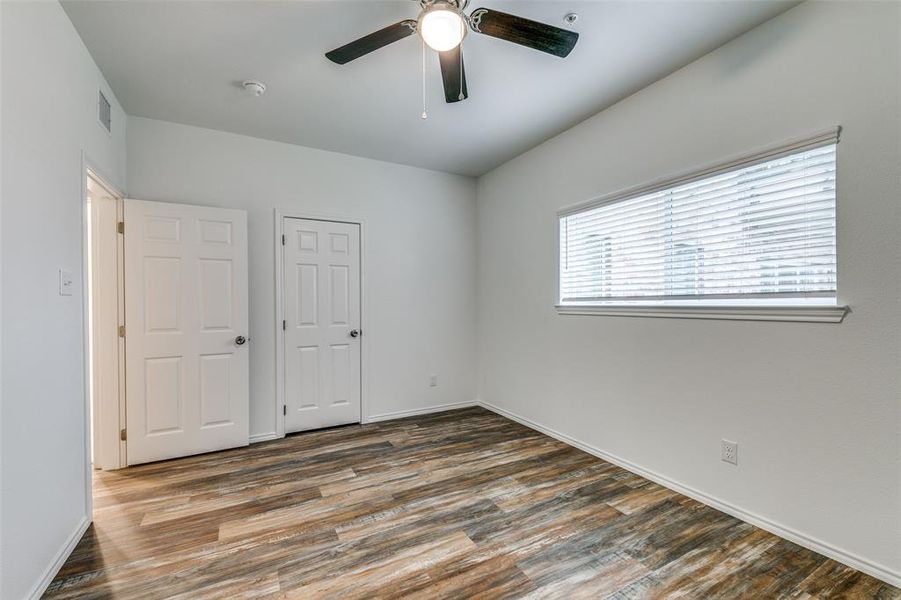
(186, 314)
(322, 323)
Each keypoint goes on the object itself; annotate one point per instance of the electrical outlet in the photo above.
(433, 381)
(730, 452)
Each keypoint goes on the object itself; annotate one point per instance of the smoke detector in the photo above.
(254, 87)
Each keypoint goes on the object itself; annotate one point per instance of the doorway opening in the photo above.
(167, 322)
(105, 305)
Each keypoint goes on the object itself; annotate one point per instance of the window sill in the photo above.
(804, 314)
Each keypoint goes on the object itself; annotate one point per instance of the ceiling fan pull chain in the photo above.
(424, 115)
(461, 96)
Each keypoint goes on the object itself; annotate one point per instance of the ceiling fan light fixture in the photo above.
(442, 27)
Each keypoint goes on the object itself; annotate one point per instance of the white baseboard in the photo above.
(59, 560)
(264, 437)
(417, 411)
(847, 558)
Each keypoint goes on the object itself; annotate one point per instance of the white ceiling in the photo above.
(183, 62)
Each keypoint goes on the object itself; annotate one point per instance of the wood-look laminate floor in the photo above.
(461, 504)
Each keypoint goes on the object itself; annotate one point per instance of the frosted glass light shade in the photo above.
(442, 29)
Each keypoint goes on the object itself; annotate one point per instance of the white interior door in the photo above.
(322, 323)
(186, 317)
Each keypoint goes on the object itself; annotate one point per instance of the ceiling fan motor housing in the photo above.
(458, 4)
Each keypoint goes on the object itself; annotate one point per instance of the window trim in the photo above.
(741, 312)
(802, 314)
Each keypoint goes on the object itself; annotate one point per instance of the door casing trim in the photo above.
(88, 164)
(289, 213)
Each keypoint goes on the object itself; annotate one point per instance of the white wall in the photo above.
(816, 409)
(49, 116)
(1, 301)
(419, 251)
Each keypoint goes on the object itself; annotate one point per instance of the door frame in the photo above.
(108, 413)
(289, 213)
(88, 164)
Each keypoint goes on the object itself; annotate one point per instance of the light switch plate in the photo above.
(66, 283)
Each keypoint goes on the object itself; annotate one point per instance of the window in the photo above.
(760, 232)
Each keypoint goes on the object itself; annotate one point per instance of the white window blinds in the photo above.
(762, 229)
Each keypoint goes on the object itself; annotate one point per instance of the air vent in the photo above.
(103, 114)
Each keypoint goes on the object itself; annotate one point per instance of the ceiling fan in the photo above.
(443, 25)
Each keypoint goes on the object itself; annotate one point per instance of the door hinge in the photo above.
(120, 227)
(283, 239)
(123, 435)
(285, 410)
(284, 325)
(121, 330)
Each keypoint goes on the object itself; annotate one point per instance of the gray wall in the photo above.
(814, 407)
(49, 114)
(418, 254)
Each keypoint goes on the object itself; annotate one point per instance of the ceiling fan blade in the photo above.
(524, 32)
(371, 42)
(453, 75)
